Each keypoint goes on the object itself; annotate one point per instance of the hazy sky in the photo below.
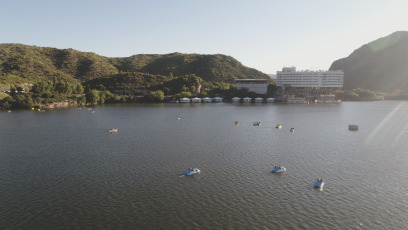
(262, 34)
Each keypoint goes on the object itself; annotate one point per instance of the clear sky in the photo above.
(262, 34)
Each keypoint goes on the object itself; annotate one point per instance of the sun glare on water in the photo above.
(402, 130)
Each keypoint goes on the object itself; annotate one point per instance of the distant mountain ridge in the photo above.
(381, 65)
(40, 63)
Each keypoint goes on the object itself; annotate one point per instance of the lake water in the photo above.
(61, 169)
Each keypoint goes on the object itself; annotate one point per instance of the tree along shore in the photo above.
(53, 93)
(60, 93)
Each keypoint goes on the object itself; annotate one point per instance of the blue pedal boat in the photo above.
(279, 169)
(191, 171)
(319, 183)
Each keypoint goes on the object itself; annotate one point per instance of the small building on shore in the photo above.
(259, 86)
(258, 100)
(217, 99)
(270, 100)
(326, 98)
(196, 100)
(236, 99)
(294, 100)
(247, 100)
(206, 100)
(185, 100)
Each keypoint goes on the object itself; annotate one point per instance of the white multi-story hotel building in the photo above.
(309, 79)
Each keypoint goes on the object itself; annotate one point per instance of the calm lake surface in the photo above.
(61, 169)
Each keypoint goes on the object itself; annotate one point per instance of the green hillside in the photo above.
(37, 63)
(31, 63)
(216, 67)
(380, 65)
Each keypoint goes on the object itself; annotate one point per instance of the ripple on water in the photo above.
(77, 175)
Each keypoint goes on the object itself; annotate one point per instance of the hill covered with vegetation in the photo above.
(20, 63)
(33, 63)
(380, 65)
(216, 67)
(54, 75)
